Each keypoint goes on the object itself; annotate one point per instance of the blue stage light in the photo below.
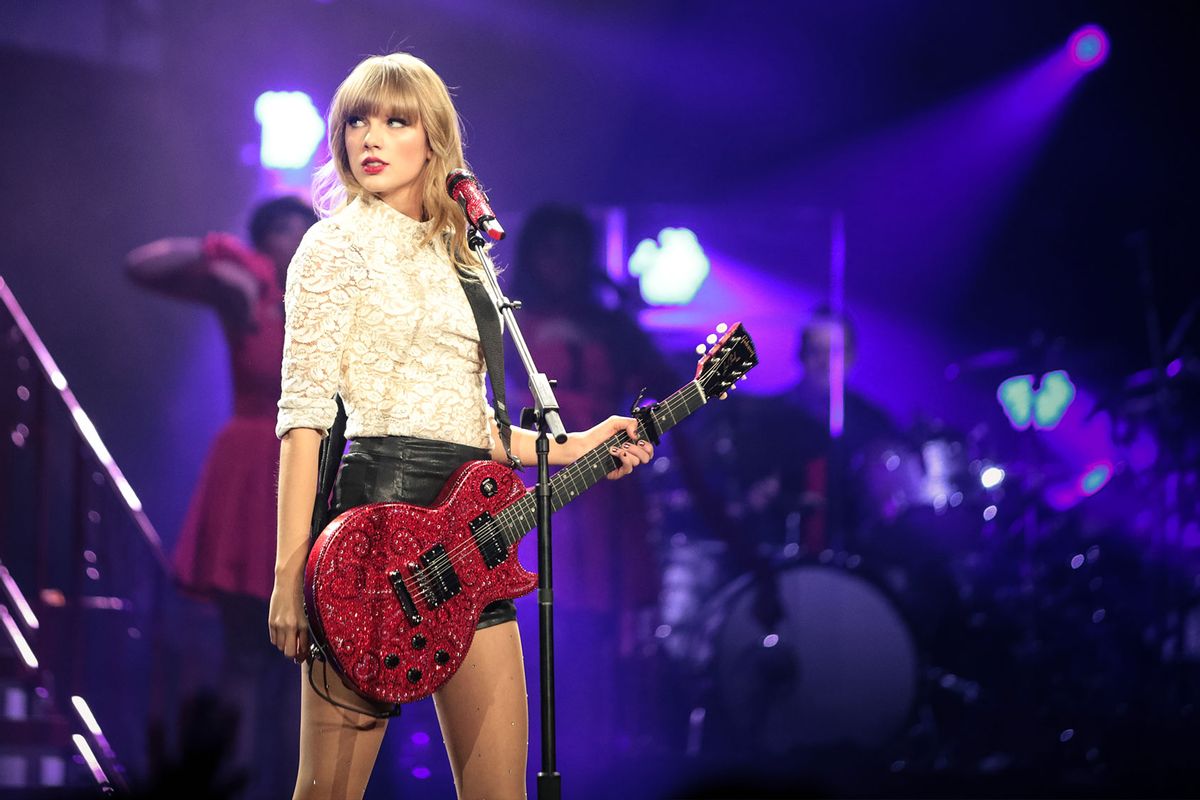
(1088, 47)
(1016, 398)
(1054, 397)
(671, 270)
(1095, 478)
(1044, 408)
(291, 129)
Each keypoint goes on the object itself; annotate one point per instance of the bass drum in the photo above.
(812, 655)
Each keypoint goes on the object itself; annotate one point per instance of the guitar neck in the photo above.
(572, 481)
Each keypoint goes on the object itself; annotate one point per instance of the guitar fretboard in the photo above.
(573, 480)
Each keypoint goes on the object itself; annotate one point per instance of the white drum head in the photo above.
(840, 667)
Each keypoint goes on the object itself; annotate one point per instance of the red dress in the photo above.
(227, 544)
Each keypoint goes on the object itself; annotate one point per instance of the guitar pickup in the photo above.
(439, 581)
(491, 544)
(404, 596)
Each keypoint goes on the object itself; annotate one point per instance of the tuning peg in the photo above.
(701, 349)
(712, 338)
(722, 327)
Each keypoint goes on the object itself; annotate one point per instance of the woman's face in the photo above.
(387, 158)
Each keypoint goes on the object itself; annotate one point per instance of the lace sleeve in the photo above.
(323, 287)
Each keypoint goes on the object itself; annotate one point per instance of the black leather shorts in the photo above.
(404, 469)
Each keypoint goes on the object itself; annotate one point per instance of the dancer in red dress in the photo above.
(226, 548)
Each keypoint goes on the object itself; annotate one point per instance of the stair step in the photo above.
(42, 769)
(46, 732)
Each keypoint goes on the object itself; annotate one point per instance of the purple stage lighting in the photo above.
(1088, 47)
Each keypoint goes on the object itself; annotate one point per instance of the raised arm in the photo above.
(210, 271)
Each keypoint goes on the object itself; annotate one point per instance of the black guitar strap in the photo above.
(327, 467)
(487, 320)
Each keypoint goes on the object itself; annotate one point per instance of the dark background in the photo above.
(126, 121)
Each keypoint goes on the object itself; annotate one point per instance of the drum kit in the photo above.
(966, 616)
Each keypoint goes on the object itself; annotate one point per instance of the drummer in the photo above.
(802, 492)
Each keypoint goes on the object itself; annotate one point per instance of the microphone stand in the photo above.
(549, 424)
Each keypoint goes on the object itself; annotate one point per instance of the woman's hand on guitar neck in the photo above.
(633, 453)
(578, 444)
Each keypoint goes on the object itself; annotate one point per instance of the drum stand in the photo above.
(1174, 599)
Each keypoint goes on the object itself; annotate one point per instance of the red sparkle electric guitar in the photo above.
(393, 591)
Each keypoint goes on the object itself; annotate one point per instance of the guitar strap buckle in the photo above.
(645, 417)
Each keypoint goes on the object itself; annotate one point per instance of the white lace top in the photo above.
(384, 322)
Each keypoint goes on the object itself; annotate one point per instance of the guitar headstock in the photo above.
(727, 361)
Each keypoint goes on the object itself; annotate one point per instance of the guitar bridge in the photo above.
(404, 596)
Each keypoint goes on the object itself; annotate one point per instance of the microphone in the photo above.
(465, 189)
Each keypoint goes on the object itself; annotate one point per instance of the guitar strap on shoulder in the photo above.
(327, 467)
(487, 320)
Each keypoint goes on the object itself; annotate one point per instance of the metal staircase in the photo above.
(83, 579)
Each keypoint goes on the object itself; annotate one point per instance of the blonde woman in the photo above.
(376, 313)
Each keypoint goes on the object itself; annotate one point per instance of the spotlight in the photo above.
(1088, 47)
(670, 270)
(1095, 478)
(1044, 408)
(991, 477)
(291, 129)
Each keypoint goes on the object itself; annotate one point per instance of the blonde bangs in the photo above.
(378, 87)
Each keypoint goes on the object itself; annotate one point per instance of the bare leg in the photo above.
(337, 747)
(484, 717)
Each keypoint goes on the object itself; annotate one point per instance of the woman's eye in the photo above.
(355, 122)
(399, 122)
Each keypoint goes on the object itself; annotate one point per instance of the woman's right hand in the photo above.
(289, 626)
(298, 455)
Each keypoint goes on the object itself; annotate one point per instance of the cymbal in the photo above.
(1039, 351)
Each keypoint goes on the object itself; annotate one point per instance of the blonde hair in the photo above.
(400, 85)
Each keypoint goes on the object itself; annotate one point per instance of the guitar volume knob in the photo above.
(489, 487)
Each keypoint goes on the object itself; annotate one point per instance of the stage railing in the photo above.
(83, 580)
